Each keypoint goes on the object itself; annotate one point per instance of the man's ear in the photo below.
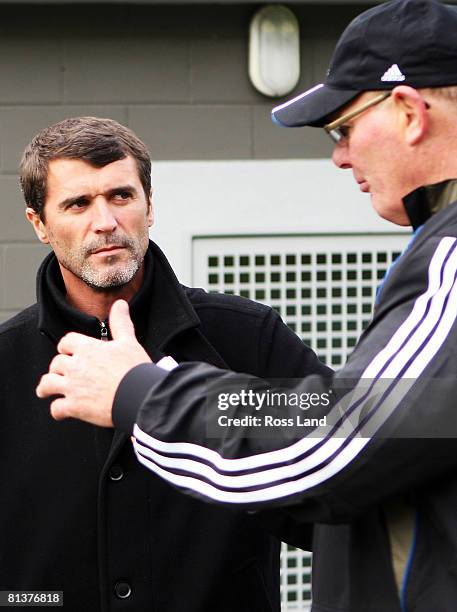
(412, 113)
(150, 210)
(38, 225)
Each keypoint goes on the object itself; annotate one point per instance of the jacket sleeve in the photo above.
(395, 393)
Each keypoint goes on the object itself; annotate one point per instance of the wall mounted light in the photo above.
(274, 50)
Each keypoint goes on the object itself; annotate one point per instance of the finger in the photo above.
(60, 409)
(120, 323)
(60, 364)
(51, 384)
(72, 341)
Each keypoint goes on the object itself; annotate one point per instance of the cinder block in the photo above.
(13, 224)
(128, 70)
(57, 21)
(274, 142)
(20, 264)
(194, 132)
(30, 71)
(122, 19)
(19, 125)
(219, 69)
(190, 20)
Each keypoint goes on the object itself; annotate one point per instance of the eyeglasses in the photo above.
(338, 131)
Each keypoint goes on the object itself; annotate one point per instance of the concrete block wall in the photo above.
(177, 75)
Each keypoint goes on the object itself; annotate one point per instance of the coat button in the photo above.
(116, 472)
(122, 589)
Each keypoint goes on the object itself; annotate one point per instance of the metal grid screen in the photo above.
(324, 288)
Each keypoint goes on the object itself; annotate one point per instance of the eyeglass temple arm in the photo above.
(356, 111)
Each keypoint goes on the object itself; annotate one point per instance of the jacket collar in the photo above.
(424, 202)
(160, 310)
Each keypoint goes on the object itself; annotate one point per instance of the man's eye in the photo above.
(344, 131)
(122, 195)
(78, 205)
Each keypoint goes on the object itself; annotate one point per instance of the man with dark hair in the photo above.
(97, 142)
(388, 538)
(79, 514)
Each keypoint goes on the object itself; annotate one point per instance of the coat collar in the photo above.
(160, 310)
(424, 202)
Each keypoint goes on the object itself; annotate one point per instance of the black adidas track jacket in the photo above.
(388, 435)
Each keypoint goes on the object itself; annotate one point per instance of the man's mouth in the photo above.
(108, 249)
(363, 185)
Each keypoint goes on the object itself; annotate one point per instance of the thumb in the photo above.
(120, 323)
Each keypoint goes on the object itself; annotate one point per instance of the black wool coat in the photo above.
(79, 514)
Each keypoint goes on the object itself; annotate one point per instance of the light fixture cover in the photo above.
(274, 50)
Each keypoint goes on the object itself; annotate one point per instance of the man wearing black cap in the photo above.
(386, 538)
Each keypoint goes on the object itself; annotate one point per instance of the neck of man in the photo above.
(437, 161)
(97, 303)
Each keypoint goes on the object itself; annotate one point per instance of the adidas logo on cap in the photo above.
(393, 74)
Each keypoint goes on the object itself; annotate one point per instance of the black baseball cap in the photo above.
(409, 42)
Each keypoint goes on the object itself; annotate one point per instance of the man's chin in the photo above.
(104, 281)
(107, 289)
(392, 211)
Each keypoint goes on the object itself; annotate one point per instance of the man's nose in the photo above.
(340, 156)
(104, 219)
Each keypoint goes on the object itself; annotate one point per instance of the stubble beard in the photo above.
(107, 275)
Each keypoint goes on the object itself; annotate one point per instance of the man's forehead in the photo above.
(64, 173)
(59, 164)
